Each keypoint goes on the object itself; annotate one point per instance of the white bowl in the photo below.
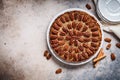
(56, 56)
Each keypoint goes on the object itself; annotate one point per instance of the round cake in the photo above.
(75, 36)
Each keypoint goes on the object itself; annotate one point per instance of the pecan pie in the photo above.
(75, 36)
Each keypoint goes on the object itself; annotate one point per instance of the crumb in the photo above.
(118, 45)
(107, 40)
(58, 71)
(108, 46)
(113, 57)
(88, 6)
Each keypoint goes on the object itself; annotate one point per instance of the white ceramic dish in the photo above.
(109, 10)
(54, 54)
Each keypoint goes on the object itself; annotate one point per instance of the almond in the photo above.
(58, 71)
(118, 45)
(113, 57)
(107, 40)
(108, 46)
(88, 6)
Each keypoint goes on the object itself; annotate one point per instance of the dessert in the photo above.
(75, 36)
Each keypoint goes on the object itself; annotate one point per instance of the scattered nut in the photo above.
(88, 6)
(113, 56)
(108, 46)
(47, 55)
(107, 40)
(118, 45)
(58, 71)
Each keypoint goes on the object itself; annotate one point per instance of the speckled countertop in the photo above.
(23, 26)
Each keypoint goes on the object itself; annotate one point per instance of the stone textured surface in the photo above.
(23, 26)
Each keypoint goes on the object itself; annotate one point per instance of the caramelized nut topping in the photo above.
(75, 36)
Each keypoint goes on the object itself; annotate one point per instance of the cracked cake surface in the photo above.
(75, 36)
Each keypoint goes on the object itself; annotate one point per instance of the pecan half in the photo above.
(118, 45)
(58, 71)
(107, 40)
(88, 6)
(108, 46)
(113, 57)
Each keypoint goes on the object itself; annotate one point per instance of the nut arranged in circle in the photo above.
(75, 36)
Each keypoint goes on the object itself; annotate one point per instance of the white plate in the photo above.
(109, 10)
(57, 57)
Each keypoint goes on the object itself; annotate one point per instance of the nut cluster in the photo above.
(75, 36)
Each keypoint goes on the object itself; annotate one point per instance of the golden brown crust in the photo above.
(75, 36)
